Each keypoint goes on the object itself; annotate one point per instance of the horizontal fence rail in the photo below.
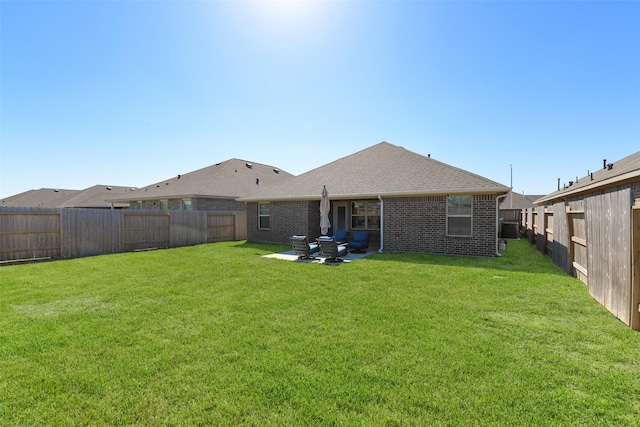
(36, 233)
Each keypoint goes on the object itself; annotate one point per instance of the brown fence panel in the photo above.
(560, 251)
(221, 227)
(145, 230)
(32, 233)
(548, 231)
(27, 233)
(86, 232)
(609, 246)
(540, 229)
(188, 228)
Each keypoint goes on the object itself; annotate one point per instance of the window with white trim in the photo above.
(365, 215)
(264, 215)
(459, 215)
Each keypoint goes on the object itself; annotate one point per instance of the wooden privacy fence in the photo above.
(595, 238)
(34, 233)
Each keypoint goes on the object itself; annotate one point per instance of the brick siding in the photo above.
(418, 224)
(419, 221)
(201, 203)
(287, 219)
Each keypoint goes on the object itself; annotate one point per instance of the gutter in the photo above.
(381, 224)
(498, 222)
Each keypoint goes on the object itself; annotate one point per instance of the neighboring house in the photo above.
(92, 197)
(511, 213)
(591, 229)
(96, 197)
(214, 188)
(408, 202)
(42, 198)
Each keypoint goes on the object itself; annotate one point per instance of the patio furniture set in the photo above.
(332, 248)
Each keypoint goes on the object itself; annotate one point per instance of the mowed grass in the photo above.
(218, 335)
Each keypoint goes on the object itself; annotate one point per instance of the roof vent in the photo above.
(55, 190)
(604, 163)
(249, 165)
(257, 181)
(179, 176)
(570, 183)
(429, 155)
(276, 170)
(109, 188)
(609, 166)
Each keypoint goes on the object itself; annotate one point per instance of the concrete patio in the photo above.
(291, 256)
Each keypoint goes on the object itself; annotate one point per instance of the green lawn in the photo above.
(218, 335)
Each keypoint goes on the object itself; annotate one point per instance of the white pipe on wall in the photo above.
(381, 225)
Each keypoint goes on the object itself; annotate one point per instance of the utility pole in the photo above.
(511, 200)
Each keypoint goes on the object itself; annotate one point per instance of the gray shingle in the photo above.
(383, 169)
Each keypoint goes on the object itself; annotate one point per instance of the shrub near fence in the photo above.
(35, 233)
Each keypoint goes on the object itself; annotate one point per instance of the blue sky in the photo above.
(133, 92)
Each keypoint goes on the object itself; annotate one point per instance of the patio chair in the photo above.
(340, 236)
(359, 241)
(303, 248)
(331, 250)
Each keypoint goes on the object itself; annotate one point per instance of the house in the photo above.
(92, 197)
(407, 201)
(591, 228)
(510, 212)
(213, 188)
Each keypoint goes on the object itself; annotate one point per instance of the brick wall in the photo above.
(418, 224)
(287, 219)
(203, 204)
(419, 221)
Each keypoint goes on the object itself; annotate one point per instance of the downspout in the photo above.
(498, 222)
(381, 225)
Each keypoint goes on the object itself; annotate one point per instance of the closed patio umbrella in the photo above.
(325, 205)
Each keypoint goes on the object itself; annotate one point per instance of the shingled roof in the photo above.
(41, 198)
(383, 169)
(96, 196)
(92, 197)
(611, 173)
(226, 180)
(518, 201)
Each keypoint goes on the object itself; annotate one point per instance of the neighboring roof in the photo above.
(92, 197)
(381, 170)
(518, 201)
(96, 197)
(612, 173)
(42, 198)
(226, 180)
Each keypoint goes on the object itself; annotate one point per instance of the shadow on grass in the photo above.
(518, 256)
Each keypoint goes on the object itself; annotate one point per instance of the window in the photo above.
(164, 205)
(459, 215)
(264, 217)
(365, 215)
(187, 205)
